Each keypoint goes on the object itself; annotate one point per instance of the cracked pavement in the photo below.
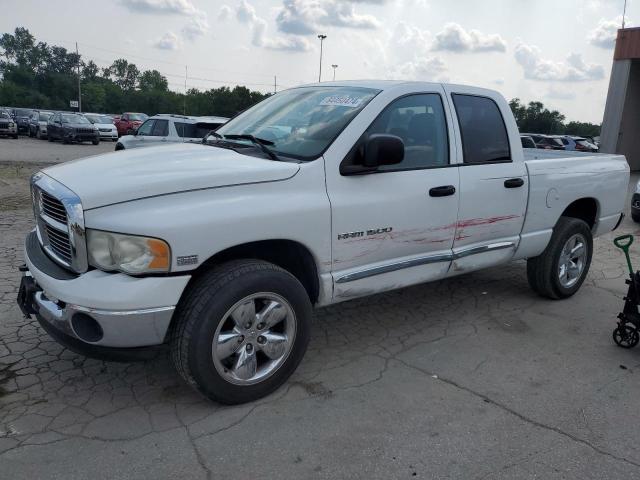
(472, 377)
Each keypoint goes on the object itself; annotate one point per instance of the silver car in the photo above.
(38, 123)
(165, 128)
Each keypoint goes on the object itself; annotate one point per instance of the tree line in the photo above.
(37, 75)
(535, 118)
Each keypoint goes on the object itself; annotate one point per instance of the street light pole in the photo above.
(334, 71)
(321, 37)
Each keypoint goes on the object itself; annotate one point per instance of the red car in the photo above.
(129, 122)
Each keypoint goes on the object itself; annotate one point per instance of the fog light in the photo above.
(86, 328)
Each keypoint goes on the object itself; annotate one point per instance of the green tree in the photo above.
(152, 80)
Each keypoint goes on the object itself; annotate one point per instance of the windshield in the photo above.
(4, 115)
(22, 113)
(301, 122)
(44, 116)
(141, 117)
(74, 119)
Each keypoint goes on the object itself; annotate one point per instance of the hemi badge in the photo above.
(187, 260)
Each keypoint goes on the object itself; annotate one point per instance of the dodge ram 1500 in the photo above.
(316, 195)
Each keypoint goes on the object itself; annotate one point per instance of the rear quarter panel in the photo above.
(556, 181)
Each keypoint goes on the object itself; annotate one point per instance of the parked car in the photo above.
(106, 127)
(7, 126)
(38, 123)
(129, 122)
(527, 142)
(71, 127)
(316, 195)
(579, 144)
(635, 204)
(164, 128)
(546, 142)
(21, 117)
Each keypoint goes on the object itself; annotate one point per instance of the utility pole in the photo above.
(79, 88)
(321, 37)
(334, 71)
(624, 12)
(275, 85)
(184, 100)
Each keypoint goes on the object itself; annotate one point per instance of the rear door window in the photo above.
(483, 131)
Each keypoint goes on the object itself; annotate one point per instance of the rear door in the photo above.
(493, 183)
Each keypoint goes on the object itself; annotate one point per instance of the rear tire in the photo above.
(558, 272)
(205, 312)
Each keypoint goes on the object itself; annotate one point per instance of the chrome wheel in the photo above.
(254, 338)
(572, 260)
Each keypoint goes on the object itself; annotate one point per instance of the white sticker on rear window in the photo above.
(341, 101)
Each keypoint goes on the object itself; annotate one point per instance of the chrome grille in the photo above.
(105, 129)
(59, 243)
(4, 124)
(53, 207)
(60, 222)
(84, 130)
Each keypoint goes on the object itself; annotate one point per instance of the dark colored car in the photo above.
(71, 127)
(21, 117)
(527, 142)
(7, 125)
(129, 122)
(546, 142)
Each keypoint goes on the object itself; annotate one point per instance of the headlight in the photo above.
(638, 187)
(128, 253)
(11, 124)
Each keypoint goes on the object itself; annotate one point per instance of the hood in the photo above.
(133, 174)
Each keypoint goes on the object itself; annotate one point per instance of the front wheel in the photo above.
(96, 142)
(635, 217)
(241, 330)
(560, 270)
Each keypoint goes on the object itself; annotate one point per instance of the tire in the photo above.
(49, 138)
(114, 139)
(65, 140)
(30, 133)
(635, 217)
(15, 137)
(95, 142)
(204, 311)
(119, 147)
(544, 271)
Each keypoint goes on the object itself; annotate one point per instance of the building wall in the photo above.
(629, 136)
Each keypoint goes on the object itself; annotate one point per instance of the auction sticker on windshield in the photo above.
(341, 101)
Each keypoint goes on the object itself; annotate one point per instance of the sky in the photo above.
(555, 51)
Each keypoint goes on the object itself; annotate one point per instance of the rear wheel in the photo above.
(561, 269)
(38, 134)
(241, 330)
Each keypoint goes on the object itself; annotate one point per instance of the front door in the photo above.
(395, 227)
(493, 185)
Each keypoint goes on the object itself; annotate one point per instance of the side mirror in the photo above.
(134, 133)
(379, 149)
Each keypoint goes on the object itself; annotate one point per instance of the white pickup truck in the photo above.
(316, 195)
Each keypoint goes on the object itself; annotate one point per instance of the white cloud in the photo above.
(225, 13)
(573, 69)
(306, 17)
(605, 34)
(181, 7)
(197, 27)
(428, 69)
(455, 38)
(246, 14)
(169, 41)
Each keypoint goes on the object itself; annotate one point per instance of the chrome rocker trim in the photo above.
(445, 257)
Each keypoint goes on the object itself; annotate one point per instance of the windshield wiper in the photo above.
(261, 143)
(212, 133)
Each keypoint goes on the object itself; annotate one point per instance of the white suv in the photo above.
(168, 128)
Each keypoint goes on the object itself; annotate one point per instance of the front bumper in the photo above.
(81, 137)
(98, 308)
(8, 131)
(108, 135)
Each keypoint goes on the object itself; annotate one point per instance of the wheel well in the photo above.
(585, 209)
(287, 254)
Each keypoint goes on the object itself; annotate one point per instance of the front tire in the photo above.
(241, 330)
(635, 217)
(561, 269)
(96, 142)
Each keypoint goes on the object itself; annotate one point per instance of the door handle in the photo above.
(513, 183)
(443, 191)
